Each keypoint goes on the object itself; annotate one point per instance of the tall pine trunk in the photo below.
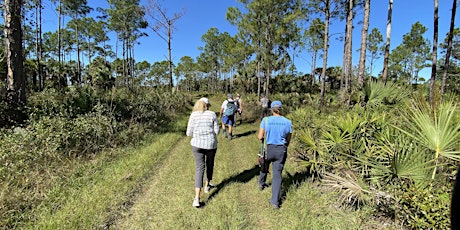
(387, 44)
(326, 44)
(362, 57)
(16, 84)
(449, 46)
(349, 48)
(435, 52)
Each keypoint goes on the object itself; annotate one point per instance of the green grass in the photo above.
(97, 192)
(152, 187)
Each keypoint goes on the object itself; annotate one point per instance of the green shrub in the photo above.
(426, 208)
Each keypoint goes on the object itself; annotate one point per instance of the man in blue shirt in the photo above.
(277, 131)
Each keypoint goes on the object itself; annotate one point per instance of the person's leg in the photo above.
(230, 128)
(278, 155)
(231, 121)
(262, 180)
(199, 170)
(224, 122)
(210, 156)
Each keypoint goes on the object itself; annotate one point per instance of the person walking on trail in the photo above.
(203, 127)
(277, 131)
(227, 115)
(264, 102)
(239, 103)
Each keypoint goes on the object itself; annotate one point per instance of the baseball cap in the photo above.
(230, 95)
(205, 100)
(276, 104)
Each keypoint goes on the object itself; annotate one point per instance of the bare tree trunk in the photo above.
(326, 43)
(171, 84)
(449, 46)
(163, 26)
(268, 59)
(362, 57)
(16, 90)
(313, 69)
(41, 78)
(59, 31)
(258, 78)
(38, 9)
(344, 58)
(435, 52)
(387, 44)
(79, 80)
(349, 65)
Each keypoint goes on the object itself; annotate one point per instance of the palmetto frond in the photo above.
(352, 189)
(313, 151)
(434, 129)
(400, 158)
(378, 93)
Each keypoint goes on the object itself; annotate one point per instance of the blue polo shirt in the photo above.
(276, 129)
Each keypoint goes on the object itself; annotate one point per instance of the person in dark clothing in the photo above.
(277, 131)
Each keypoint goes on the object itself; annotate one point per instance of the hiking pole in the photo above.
(261, 149)
(262, 157)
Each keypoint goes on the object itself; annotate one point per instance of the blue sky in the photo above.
(201, 15)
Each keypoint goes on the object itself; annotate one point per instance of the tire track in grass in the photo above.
(104, 189)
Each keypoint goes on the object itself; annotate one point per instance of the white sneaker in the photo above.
(196, 202)
(208, 188)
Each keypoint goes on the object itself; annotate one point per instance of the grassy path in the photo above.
(236, 202)
(151, 186)
(166, 204)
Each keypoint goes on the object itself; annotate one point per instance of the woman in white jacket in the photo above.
(203, 127)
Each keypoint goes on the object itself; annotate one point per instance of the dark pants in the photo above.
(276, 154)
(264, 112)
(203, 157)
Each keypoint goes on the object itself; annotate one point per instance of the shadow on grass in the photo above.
(242, 177)
(245, 133)
(292, 182)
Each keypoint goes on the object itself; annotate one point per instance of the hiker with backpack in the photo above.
(203, 127)
(227, 115)
(276, 130)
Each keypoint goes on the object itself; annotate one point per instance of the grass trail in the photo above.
(151, 186)
(236, 202)
(167, 203)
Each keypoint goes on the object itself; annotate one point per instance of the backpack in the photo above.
(230, 109)
(237, 104)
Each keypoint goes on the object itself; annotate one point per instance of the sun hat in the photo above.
(276, 104)
(205, 100)
(230, 95)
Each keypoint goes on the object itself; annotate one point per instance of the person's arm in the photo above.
(190, 127)
(288, 139)
(221, 112)
(216, 124)
(261, 134)
(222, 109)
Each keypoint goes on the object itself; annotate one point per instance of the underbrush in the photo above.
(397, 159)
(66, 128)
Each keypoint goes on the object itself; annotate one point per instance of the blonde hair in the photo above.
(200, 105)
